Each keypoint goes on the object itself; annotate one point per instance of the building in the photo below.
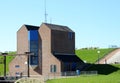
(53, 47)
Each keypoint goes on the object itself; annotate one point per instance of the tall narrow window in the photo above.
(33, 46)
(67, 66)
(55, 69)
(70, 35)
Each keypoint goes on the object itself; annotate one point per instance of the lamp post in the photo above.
(28, 62)
(98, 56)
(4, 54)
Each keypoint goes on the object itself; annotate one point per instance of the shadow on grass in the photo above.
(103, 69)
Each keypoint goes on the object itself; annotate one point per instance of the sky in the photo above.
(95, 22)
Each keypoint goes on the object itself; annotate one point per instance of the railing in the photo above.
(8, 79)
(70, 74)
(89, 73)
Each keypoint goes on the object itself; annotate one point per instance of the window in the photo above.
(53, 68)
(67, 66)
(17, 73)
(70, 35)
(17, 66)
(70, 66)
(74, 65)
(33, 35)
(34, 60)
(33, 46)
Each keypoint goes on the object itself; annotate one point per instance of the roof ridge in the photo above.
(55, 24)
(58, 27)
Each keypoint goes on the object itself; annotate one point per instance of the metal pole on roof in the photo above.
(45, 11)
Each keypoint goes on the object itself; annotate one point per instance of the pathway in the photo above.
(113, 57)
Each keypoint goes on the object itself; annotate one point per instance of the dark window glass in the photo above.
(70, 66)
(17, 66)
(33, 60)
(33, 46)
(74, 65)
(53, 68)
(17, 73)
(70, 35)
(33, 35)
(67, 66)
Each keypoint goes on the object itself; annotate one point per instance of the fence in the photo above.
(70, 74)
(60, 75)
(89, 73)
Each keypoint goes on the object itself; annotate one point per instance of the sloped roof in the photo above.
(68, 58)
(58, 27)
(31, 27)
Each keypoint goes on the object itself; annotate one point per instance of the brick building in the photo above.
(53, 47)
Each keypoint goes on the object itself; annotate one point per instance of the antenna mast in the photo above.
(45, 12)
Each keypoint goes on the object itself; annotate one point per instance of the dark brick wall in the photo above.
(60, 42)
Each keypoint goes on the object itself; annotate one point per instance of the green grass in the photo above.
(88, 79)
(113, 77)
(9, 58)
(91, 55)
(106, 73)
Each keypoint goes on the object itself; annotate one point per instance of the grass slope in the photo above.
(91, 55)
(8, 60)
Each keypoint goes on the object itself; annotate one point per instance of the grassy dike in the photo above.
(91, 55)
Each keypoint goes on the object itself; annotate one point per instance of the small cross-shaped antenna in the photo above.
(45, 12)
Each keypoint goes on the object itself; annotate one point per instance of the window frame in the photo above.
(53, 68)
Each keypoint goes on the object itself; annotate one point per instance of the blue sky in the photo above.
(96, 22)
